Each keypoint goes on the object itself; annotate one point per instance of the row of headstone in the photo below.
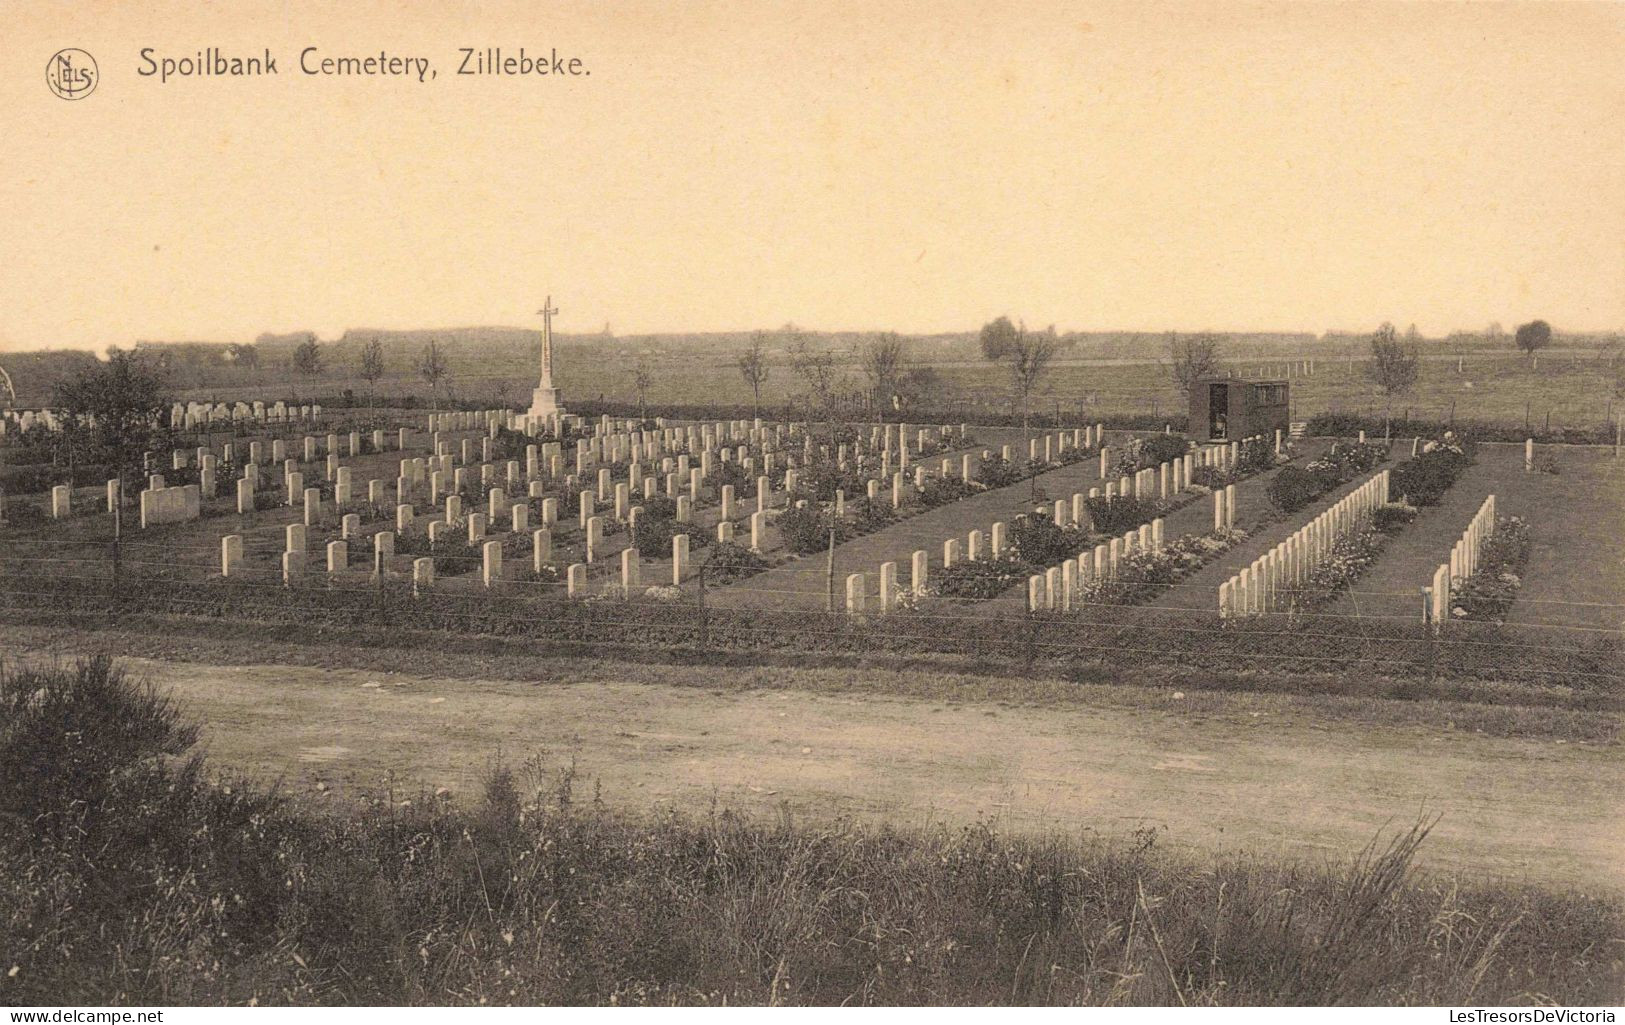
(203, 414)
(1463, 563)
(1274, 579)
(1059, 588)
(28, 419)
(160, 504)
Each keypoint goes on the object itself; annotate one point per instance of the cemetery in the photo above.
(1064, 545)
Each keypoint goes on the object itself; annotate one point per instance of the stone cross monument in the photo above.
(545, 399)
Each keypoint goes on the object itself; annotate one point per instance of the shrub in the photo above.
(77, 748)
(1425, 479)
(1143, 575)
(653, 540)
(981, 579)
(1350, 557)
(21, 512)
(997, 472)
(1038, 541)
(1119, 515)
(1393, 517)
(1255, 456)
(939, 491)
(806, 530)
(728, 562)
(1353, 458)
(1210, 477)
(1163, 448)
(1293, 488)
(870, 514)
(657, 508)
(821, 480)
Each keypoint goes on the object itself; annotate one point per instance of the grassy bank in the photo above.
(1354, 695)
(130, 875)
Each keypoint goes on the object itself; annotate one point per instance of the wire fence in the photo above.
(1576, 667)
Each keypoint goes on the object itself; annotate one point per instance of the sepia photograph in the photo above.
(812, 503)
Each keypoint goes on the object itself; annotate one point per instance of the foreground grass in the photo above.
(127, 875)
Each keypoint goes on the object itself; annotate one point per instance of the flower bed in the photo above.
(1143, 575)
(1350, 557)
(1294, 488)
(1489, 593)
(980, 579)
(1425, 479)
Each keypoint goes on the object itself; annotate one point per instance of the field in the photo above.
(1575, 385)
(1568, 389)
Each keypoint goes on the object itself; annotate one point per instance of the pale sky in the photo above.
(915, 166)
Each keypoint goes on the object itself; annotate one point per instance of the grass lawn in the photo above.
(1576, 571)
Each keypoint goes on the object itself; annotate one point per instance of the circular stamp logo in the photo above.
(72, 74)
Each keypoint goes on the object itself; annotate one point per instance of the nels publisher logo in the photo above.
(72, 74)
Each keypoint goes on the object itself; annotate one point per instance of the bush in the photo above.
(657, 508)
(1424, 480)
(728, 562)
(78, 749)
(1393, 517)
(654, 536)
(1119, 515)
(939, 491)
(870, 514)
(1488, 594)
(1037, 540)
(1163, 448)
(821, 480)
(806, 530)
(1294, 488)
(997, 472)
(1347, 425)
(22, 512)
(981, 579)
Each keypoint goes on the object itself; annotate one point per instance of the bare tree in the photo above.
(642, 378)
(821, 371)
(372, 368)
(881, 359)
(1393, 368)
(1191, 358)
(123, 407)
(754, 368)
(432, 367)
(1026, 356)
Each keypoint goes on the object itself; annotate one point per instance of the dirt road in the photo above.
(1242, 780)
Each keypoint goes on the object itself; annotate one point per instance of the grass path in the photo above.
(1250, 773)
(1577, 552)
